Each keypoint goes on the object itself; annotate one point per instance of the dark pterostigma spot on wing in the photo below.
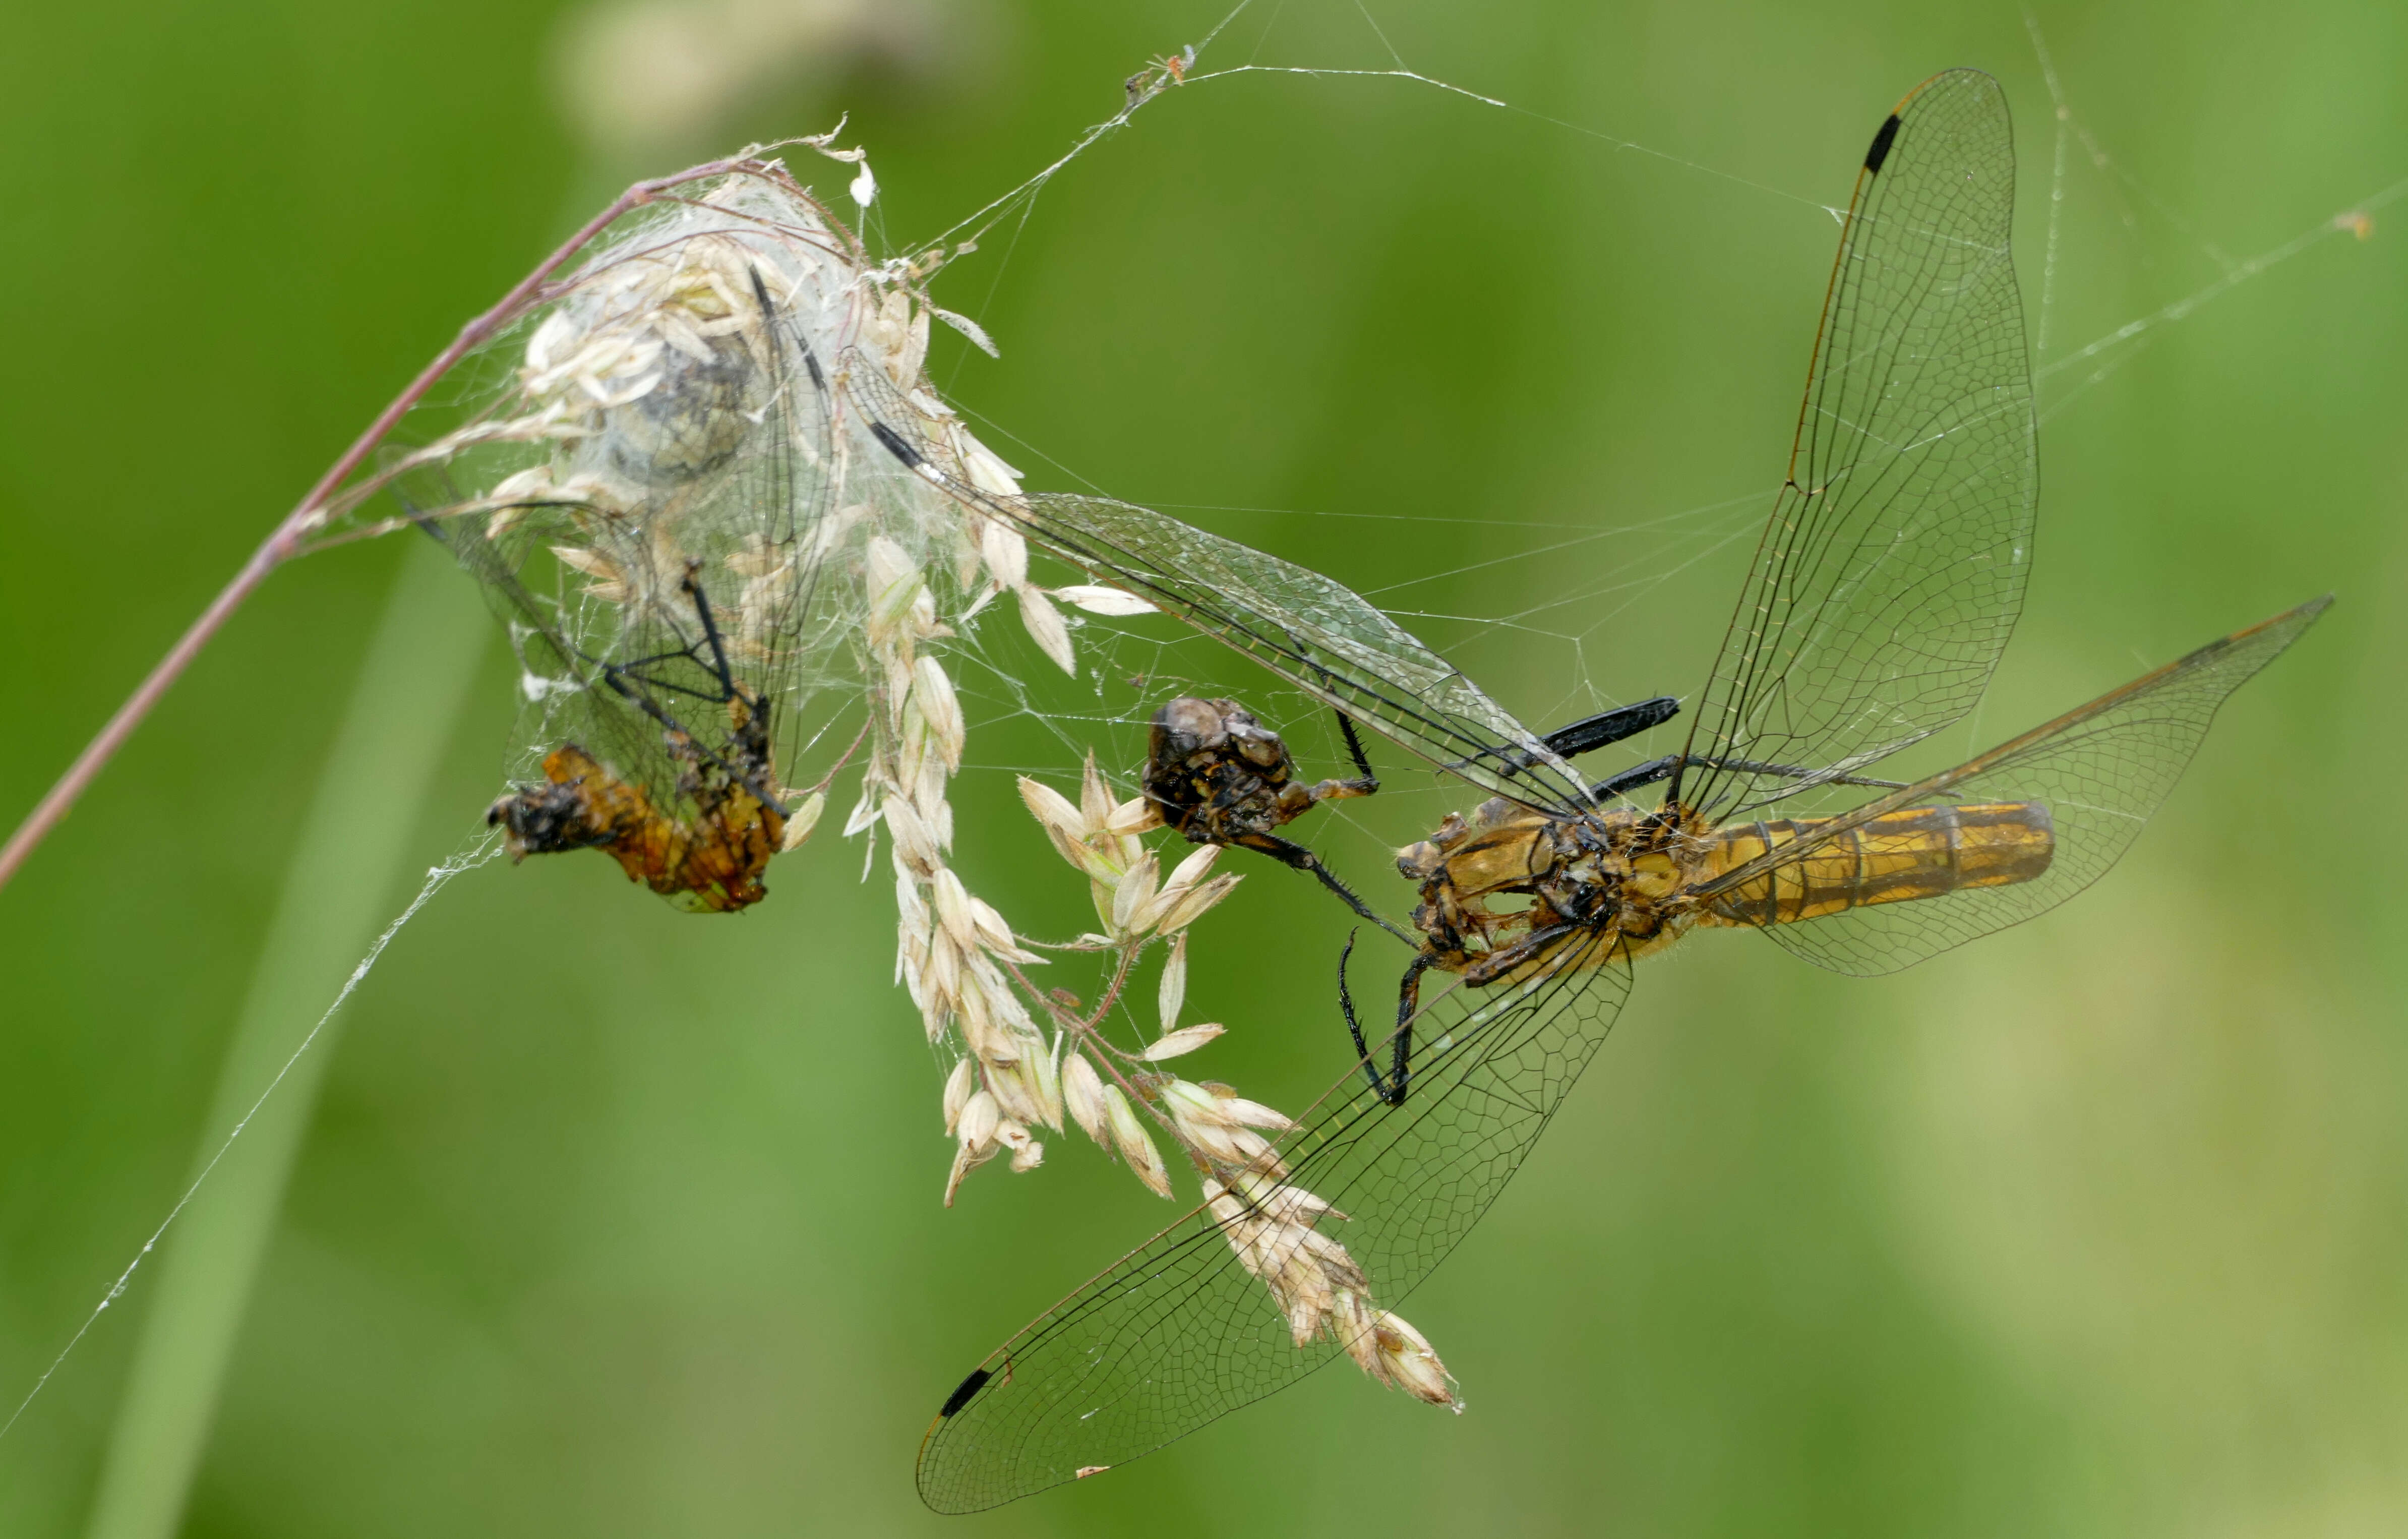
(962, 1393)
(1882, 141)
(895, 444)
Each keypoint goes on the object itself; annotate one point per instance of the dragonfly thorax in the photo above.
(1511, 874)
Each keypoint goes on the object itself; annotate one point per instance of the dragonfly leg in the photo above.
(1590, 732)
(1390, 1087)
(1369, 785)
(1635, 776)
(1611, 727)
(1401, 1052)
(1296, 799)
(1353, 1025)
(711, 634)
(743, 775)
(1290, 852)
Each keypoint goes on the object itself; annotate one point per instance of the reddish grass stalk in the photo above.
(286, 541)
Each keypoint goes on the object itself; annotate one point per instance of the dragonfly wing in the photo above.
(2101, 771)
(560, 672)
(1893, 566)
(1179, 1332)
(1318, 634)
(1315, 633)
(717, 479)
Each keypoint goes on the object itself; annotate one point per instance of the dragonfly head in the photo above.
(1215, 772)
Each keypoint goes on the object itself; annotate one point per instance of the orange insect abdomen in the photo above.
(1916, 852)
(708, 864)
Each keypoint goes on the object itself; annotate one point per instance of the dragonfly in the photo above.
(1889, 574)
(1219, 776)
(656, 571)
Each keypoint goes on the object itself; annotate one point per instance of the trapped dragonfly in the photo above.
(1888, 578)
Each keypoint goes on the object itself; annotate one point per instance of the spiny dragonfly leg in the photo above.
(1390, 1087)
(1611, 727)
(1635, 776)
(1393, 1085)
(1303, 857)
(1290, 852)
(1369, 785)
(1589, 733)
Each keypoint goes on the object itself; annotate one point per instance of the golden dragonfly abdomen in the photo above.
(1916, 852)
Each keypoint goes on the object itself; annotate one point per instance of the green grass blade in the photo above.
(345, 871)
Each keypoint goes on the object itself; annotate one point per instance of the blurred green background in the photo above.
(609, 1221)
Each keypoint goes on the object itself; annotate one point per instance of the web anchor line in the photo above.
(438, 877)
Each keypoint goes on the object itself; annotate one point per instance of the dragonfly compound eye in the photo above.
(580, 805)
(543, 820)
(1187, 725)
(1261, 749)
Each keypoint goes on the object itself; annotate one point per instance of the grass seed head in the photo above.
(1193, 904)
(1083, 1096)
(1129, 1136)
(959, 1087)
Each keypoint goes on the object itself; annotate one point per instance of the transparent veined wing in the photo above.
(2101, 771)
(1313, 632)
(1179, 1332)
(1893, 565)
(671, 547)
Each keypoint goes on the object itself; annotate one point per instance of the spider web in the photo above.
(1571, 619)
(1586, 583)
(1583, 581)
